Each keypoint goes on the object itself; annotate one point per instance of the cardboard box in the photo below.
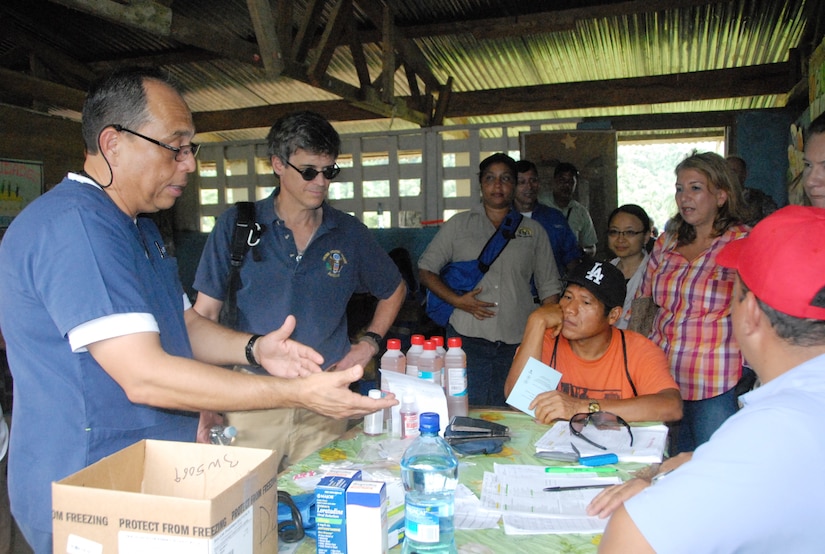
(165, 497)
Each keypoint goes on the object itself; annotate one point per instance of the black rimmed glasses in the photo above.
(613, 233)
(181, 152)
(600, 421)
(309, 173)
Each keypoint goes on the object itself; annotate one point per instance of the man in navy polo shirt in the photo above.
(310, 261)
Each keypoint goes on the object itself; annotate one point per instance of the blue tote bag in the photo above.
(462, 277)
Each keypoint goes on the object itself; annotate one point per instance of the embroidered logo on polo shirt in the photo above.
(335, 262)
(524, 232)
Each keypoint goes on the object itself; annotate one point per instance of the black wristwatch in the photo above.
(373, 338)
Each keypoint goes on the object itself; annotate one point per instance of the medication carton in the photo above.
(331, 514)
(367, 517)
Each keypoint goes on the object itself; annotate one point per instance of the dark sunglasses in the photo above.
(599, 420)
(310, 173)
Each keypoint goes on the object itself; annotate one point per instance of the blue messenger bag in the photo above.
(462, 277)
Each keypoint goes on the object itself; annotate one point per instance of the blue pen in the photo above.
(600, 460)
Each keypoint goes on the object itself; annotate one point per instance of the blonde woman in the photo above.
(693, 292)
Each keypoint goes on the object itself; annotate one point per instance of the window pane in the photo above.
(207, 223)
(409, 187)
(409, 157)
(237, 195)
(263, 166)
(450, 213)
(375, 221)
(209, 197)
(457, 188)
(341, 190)
(207, 168)
(376, 189)
(375, 159)
(345, 160)
(263, 192)
(235, 167)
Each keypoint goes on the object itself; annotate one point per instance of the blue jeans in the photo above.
(487, 366)
(701, 418)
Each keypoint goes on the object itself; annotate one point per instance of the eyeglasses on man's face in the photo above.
(309, 173)
(597, 421)
(613, 233)
(181, 152)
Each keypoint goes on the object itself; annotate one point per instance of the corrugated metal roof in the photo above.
(691, 37)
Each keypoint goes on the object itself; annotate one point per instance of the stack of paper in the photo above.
(518, 492)
(648, 443)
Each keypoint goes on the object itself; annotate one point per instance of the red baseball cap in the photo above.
(782, 261)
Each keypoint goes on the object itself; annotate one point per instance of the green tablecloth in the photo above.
(525, 432)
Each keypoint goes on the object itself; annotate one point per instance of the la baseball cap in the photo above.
(603, 279)
(782, 261)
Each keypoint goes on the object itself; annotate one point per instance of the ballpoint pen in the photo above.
(579, 487)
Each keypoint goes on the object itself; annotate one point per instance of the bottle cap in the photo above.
(454, 342)
(374, 393)
(439, 341)
(428, 422)
(417, 339)
(230, 432)
(393, 344)
(429, 345)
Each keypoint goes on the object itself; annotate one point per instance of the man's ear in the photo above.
(277, 165)
(108, 143)
(614, 315)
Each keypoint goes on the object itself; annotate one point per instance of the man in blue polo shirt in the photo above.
(103, 345)
(310, 260)
(562, 239)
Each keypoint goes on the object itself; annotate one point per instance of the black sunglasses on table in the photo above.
(599, 420)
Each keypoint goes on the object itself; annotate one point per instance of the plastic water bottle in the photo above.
(393, 359)
(429, 471)
(222, 434)
(428, 364)
(417, 342)
(455, 378)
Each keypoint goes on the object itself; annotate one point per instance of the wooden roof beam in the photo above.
(333, 31)
(266, 35)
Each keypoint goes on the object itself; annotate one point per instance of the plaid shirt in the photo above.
(693, 324)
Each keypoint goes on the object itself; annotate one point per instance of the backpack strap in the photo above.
(247, 234)
(626, 369)
(495, 245)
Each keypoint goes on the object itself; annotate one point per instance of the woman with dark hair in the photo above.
(693, 293)
(628, 229)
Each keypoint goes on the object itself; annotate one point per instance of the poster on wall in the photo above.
(20, 183)
(595, 155)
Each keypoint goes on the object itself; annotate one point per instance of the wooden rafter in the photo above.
(266, 34)
(333, 31)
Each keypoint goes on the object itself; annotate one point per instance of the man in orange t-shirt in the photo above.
(603, 368)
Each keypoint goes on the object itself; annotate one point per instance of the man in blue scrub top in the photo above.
(755, 486)
(103, 346)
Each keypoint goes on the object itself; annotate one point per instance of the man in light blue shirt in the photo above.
(755, 486)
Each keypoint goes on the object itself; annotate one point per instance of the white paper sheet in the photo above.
(535, 379)
(429, 397)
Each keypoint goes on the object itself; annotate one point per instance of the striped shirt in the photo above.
(693, 324)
